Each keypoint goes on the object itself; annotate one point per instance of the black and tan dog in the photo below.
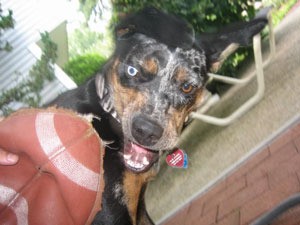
(143, 94)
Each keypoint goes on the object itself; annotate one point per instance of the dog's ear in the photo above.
(125, 31)
(218, 46)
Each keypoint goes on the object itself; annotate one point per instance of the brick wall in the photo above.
(261, 182)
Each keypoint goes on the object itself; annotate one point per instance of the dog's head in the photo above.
(157, 76)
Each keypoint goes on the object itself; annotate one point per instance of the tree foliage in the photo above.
(83, 41)
(26, 92)
(89, 7)
(6, 22)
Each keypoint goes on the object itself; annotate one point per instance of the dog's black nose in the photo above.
(146, 131)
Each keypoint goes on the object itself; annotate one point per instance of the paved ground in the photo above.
(215, 151)
(267, 178)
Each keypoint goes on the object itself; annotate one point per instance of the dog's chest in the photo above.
(132, 191)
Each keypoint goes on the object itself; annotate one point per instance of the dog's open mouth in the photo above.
(137, 158)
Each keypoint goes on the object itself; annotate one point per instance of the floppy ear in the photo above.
(218, 46)
(125, 31)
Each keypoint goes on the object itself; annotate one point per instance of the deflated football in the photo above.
(59, 176)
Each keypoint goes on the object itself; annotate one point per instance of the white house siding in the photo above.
(32, 17)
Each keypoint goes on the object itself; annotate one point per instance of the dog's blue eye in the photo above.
(132, 71)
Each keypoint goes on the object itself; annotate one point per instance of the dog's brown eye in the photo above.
(187, 88)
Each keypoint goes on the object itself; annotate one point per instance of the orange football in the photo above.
(59, 176)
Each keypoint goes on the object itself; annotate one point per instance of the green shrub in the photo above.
(82, 67)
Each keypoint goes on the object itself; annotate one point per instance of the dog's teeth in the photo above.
(138, 165)
(130, 163)
(134, 164)
(145, 161)
(127, 156)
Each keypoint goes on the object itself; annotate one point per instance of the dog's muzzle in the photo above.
(146, 131)
(137, 153)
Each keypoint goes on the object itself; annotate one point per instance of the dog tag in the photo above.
(177, 159)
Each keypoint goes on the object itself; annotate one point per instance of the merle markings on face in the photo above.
(155, 88)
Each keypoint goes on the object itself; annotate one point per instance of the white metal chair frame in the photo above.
(259, 74)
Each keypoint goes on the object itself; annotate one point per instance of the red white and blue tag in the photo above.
(177, 159)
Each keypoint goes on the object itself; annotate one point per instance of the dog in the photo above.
(142, 96)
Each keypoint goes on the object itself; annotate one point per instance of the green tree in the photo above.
(82, 40)
(6, 22)
(89, 7)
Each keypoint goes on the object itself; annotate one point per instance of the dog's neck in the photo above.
(104, 95)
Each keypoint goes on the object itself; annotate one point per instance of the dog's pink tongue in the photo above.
(138, 158)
